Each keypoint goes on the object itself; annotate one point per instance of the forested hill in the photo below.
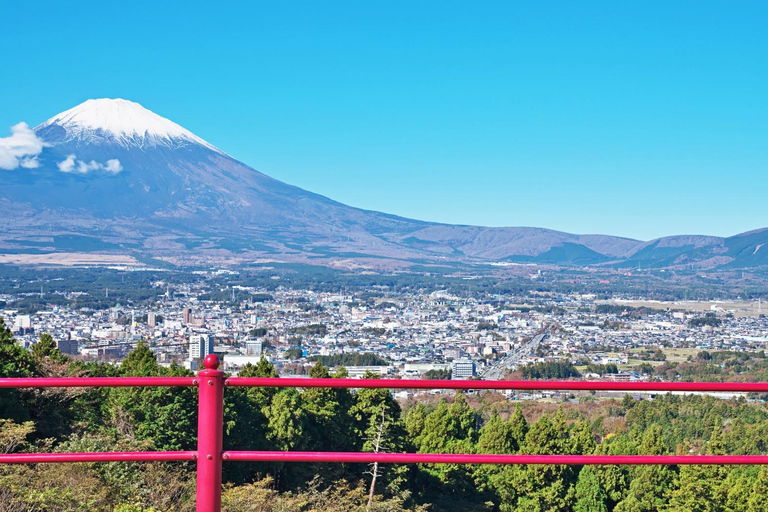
(128, 419)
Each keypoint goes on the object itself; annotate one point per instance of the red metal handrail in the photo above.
(97, 382)
(210, 454)
(570, 385)
(36, 458)
(472, 458)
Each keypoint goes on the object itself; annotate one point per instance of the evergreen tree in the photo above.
(449, 429)
(415, 419)
(245, 421)
(590, 496)
(328, 409)
(165, 415)
(700, 488)
(758, 501)
(614, 479)
(45, 348)
(497, 436)
(14, 362)
(650, 485)
(518, 426)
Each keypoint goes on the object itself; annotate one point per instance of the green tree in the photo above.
(378, 422)
(165, 415)
(650, 485)
(415, 419)
(328, 410)
(758, 501)
(497, 436)
(449, 429)
(45, 348)
(14, 362)
(700, 488)
(246, 422)
(590, 496)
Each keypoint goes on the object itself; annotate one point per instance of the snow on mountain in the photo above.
(112, 175)
(118, 121)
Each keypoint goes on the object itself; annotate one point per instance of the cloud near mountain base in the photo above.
(21, 149)
(73, 164)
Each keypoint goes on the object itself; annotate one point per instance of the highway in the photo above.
(499, 370)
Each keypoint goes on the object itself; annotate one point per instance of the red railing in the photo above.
(210, 454)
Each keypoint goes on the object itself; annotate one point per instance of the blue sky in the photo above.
(639, 119)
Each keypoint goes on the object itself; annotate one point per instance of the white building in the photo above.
(463, 369)
(254, 347)
(23, 322)
(200, 345)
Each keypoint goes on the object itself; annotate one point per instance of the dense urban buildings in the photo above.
(401, 335)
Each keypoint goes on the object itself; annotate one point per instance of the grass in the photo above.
(679, 355)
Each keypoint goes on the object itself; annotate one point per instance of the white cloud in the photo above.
(21, 149)
(72, 164)
(113, 166)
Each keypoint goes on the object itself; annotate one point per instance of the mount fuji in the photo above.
(115, 178)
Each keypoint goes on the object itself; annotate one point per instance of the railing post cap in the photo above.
(211, 362)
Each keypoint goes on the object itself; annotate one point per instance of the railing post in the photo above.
(210, 424)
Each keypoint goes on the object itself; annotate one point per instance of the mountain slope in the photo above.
(115, 175)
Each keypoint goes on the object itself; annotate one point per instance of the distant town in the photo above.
(397, 334)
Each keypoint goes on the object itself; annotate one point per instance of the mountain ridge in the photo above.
(116, 172)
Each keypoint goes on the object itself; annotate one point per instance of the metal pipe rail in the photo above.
(210, 454)
(568, 385)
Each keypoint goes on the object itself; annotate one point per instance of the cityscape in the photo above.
(402, 335)
(383, 257)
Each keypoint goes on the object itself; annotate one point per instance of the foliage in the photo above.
(437, 374)
(549, 370)
(350, 359)
(710, 321)
(329, 419)
(312, 329)
(293, 353)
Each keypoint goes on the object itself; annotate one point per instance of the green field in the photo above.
(679, 355)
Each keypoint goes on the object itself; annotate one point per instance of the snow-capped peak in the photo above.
(123, 122)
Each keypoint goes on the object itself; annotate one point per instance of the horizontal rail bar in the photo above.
(97, 382)
(440, 458)
(292, 382)
(34, 458)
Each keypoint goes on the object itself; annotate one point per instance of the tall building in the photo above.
(200, 345)
(23, 322)
(186, 316)
(151, 319)
(463, 369)
(68, 346)
(253, 347)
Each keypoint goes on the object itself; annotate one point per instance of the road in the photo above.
(500, 369)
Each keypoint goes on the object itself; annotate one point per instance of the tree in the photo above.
(700, 488)
(14, 362)
(164, 415)
(449, 429)
(293, 353)
(378, 421)
(650, 485)
(415, 419)
(548, 487)
(45, 348)
(328, 410)
(590, 496)
(497, 436)
(758, 501)
(437, 375)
